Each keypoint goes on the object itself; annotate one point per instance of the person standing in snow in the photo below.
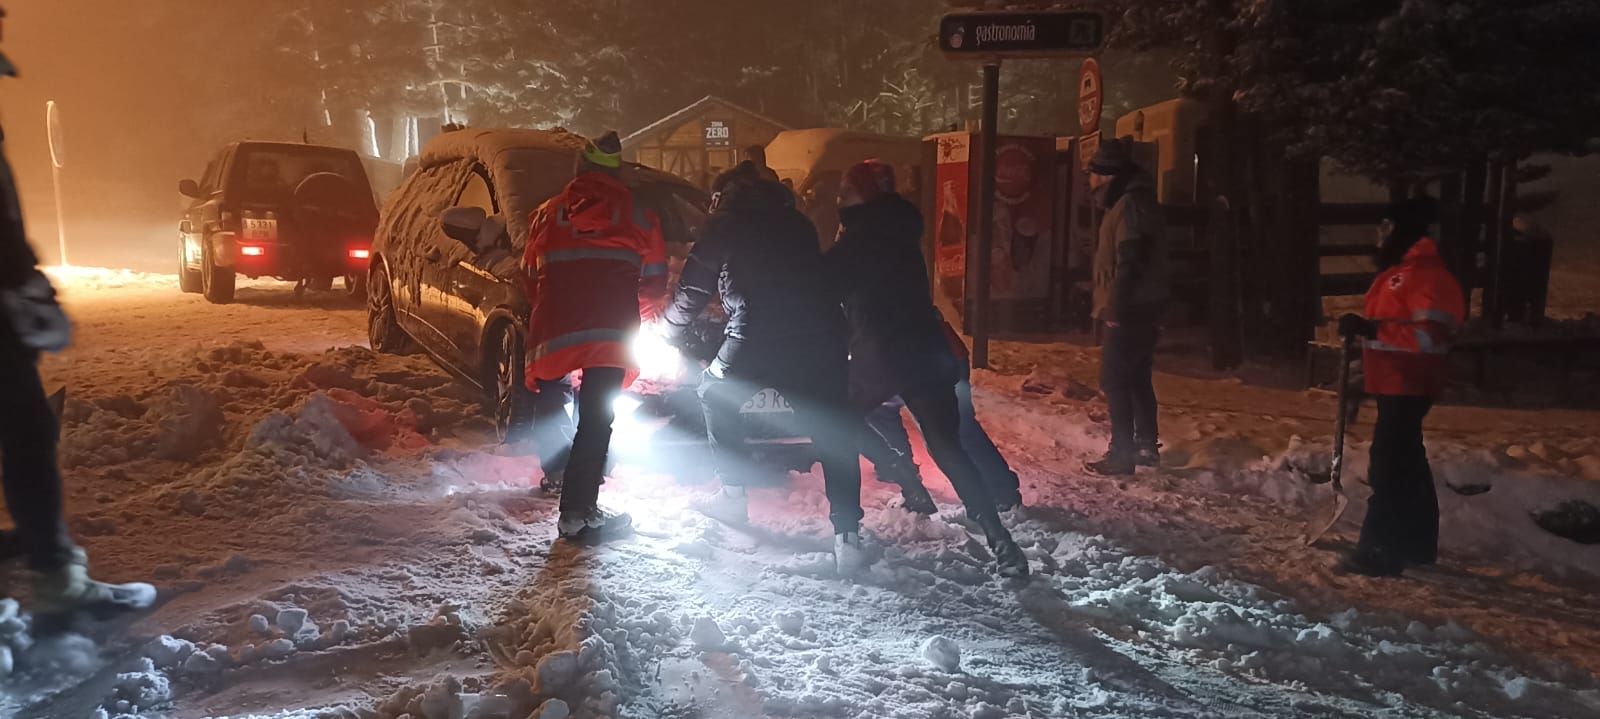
(1131, 291)
(785, 331)
(1414, 309)
(596, 263)
(898, 345)
(757, 155)
(892, 459)
(32, 322)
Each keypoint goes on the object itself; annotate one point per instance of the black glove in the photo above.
(1354, 325)
(35, 316)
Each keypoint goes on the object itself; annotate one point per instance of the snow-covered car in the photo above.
(300, 213)
(446, 275)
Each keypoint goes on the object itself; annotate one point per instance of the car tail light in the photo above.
(360, 254)
(252, 251)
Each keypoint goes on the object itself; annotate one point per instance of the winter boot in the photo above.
(914, 495)
(730, 505)
(1007, 554)
(1116, 463)
(552, 482)
(594, 525)
(848, 556)
(1148, 454)
(1369, 564)
(63, 593)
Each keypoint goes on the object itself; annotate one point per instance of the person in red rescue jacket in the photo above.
(1414, 310)
(596, 263)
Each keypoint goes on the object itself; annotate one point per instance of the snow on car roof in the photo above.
(486, 145)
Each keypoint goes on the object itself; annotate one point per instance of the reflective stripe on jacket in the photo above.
(1418, 308)
(595, 262)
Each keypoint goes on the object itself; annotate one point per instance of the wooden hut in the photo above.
(701, 140)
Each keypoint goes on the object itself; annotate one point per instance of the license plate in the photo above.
(259, 230)
(767, 401)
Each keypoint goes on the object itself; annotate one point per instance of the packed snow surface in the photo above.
(336, 534)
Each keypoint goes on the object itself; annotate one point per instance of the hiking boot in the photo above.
(1148, 455)
(849, 558)
(1115, 463)
(1008, 556)
(914, 495)
(552, 482)
(729, 505)
(593, 525)
(1369, 564)
(60, 594)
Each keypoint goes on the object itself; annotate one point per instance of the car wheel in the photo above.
(188, 280)
(355, 286)
(216, 283)
(383, 328)
(510, 401)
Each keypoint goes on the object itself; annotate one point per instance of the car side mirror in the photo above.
(462, 224)
(189, 188)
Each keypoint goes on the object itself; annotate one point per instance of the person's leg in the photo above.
(552, 429)
(29, 434)
(720, 399)
(1383, 530)
(888, 444)
(819, 395)
(1116, 380)
(586, 467)
(1141, 369)
(935, 409)
(995, 470)
(1422, 540)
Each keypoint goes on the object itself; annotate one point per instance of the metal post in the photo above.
(986, 190)
(57, 161)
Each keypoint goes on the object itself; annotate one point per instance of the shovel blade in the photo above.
(1324, 517)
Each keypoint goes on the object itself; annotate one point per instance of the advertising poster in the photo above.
(1024, 218)
(953, 175)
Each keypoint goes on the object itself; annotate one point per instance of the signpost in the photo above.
(1091, 101)
(990, 36)
(58, 160)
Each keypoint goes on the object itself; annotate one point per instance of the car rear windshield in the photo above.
(268, 175)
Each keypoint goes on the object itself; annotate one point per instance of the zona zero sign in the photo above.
(1021, 34)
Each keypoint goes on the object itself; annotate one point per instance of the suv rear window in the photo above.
(269, 175)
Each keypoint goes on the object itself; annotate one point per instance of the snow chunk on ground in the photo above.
(706, 635)
(942, 652)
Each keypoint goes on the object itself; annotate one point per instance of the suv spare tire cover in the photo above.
(327, 192)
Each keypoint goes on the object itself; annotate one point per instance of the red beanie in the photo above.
(871, 179)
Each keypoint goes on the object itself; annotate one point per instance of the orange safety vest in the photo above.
(1418, 308)
(595, 261)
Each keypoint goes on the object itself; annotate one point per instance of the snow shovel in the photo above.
(1326, 516)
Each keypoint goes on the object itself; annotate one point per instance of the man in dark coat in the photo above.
(1131, 290)
(31, 322)
(785, 331)
(897, 341)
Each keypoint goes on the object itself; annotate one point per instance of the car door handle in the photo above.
(433, 254)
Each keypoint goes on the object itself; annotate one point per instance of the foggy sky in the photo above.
(114, 74)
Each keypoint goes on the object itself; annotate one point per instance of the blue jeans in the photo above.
(896, 446)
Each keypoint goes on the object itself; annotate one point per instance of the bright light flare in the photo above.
(658, 359)
(250, 251)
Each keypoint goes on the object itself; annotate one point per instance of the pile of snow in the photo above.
(71, 280)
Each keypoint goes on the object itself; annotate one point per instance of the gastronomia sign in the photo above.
(1021, 34)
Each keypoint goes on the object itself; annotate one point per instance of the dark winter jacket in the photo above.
(759, 254)
(17, 261)
(1132, 275)
(897, 338)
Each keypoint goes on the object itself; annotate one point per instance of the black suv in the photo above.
(301, 213)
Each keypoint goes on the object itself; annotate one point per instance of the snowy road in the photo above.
(336, 535)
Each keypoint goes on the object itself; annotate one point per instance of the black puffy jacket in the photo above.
(760, 255)
(897, 339)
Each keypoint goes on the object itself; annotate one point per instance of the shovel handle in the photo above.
(1346, 353)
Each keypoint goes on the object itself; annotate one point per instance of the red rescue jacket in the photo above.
(1418, 308)
(596, 263)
